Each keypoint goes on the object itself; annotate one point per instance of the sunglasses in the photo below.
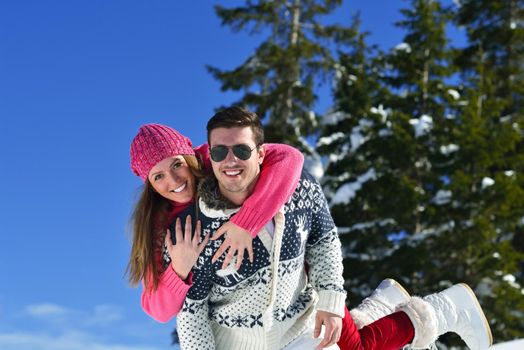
(242, 152)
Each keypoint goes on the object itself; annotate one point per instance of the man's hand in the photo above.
(332, 331)
(237, 240)
(185, 252)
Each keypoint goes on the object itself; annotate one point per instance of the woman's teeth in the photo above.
(232, 172)
(181, 188)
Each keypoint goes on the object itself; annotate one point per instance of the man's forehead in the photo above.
(235, 135)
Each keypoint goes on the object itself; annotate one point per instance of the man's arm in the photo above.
(324, 254)
(324, 258)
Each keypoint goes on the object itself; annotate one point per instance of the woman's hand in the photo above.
(185, 252)
(237, 240)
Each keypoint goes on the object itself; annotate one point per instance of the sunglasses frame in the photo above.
(234, 149)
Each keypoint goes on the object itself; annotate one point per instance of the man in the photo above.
(295, 283)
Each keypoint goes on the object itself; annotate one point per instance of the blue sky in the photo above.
(77, 79)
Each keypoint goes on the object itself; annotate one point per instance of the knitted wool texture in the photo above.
(154, 143)
(267, 304)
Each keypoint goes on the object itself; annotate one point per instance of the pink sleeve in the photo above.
(202, 152)
(167, 300)
(278, 179)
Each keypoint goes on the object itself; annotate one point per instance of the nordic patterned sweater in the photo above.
(267, 304)
(167, 300)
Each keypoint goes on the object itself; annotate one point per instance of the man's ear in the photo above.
(261, 154)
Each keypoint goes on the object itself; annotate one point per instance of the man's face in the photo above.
(236, 177)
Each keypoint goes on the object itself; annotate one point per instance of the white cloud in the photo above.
(70, 340)
(104, 315)
(49, 326)
(45, 310)
(101, 315)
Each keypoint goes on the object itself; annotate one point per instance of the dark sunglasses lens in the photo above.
(242, 152)
(219, 153)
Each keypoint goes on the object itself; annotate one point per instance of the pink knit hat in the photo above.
(154, 143)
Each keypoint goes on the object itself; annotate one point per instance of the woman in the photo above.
(167, 163)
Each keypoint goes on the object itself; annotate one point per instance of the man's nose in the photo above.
(230, 157)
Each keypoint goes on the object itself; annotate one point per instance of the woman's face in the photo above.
(173, 179)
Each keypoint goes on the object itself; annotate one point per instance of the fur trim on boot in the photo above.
(424, 321)
(361, 318)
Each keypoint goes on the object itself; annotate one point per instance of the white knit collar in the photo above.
(215, 213)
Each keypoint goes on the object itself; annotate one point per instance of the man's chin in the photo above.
(234, 188)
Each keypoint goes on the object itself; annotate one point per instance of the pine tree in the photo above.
(490, 137)
(389, 153)
(279, 79)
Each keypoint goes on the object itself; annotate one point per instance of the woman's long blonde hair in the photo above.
(148, 221)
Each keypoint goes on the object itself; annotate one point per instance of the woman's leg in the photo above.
(388, 333)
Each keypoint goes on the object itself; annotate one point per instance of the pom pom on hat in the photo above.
(154, 143)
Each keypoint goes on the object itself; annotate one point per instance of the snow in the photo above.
(511, 280)
(517, 344)
(380, 111)
(328, 140)
(442, 197)
(335, 157)
(334, 118)
(448, 149)
(385, 132)
(313, 164)
(347, 191)
(403, 47)
(361, 226)
(487, 182)
(422, 125)
(454, 93)
(457, 3)
(357, 139)
(509, 172)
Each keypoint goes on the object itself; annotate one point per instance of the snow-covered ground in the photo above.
(510, 345)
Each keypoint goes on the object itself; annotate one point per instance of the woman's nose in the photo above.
(173, 176)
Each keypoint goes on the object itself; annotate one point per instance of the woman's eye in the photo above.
(157, 177)
(177, 165)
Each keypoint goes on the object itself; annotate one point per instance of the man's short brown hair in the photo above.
(233, 117)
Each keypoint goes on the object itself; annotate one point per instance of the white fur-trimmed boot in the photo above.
(456, 310)
(380, 303)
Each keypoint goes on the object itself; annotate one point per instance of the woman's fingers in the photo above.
(187, 232)
(196, 234)
(240, 258)
(168, 241)
(178, 231)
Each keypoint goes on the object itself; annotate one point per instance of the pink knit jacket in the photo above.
(278, 179)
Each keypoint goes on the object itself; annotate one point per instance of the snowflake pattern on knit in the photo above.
(238, 300)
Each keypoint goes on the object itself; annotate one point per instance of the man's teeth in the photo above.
(181, 188)
(232, 172)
